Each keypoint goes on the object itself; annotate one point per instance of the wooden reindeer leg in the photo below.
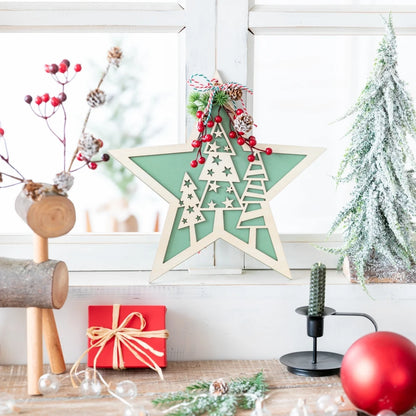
(52, 342)
(50, 332)
(34, 349)
(34, 326)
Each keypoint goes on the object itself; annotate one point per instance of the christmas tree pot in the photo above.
(379, 272)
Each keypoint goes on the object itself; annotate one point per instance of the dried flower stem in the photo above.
(84, 126)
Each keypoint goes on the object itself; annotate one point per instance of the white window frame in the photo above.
(213, 34)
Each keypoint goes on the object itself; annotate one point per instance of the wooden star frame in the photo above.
(226, 198)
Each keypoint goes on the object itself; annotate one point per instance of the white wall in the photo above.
(256, 320)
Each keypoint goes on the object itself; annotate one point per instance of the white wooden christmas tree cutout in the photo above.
(225, 198)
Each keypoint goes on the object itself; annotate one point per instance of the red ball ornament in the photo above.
(196, 143)
(1, 131)
(201, 160)
(201, 127)
(77, 67)
(80, 157)
(207, 138)
(199, 114)
(239, 111)
(45, 98)
(378, 372)
(218, 119)
(268, 151)
(194, 163)
(210, 124)
(241, 141)
(47, 69)
(38, 100)
(232, 134)
(92, 165)
(251, 158)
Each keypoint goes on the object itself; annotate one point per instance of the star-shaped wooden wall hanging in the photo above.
(225, 197)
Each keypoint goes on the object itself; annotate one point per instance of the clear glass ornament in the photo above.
(135, 411)
(7, 404)
(328, 405)
(90, 386)
(260, 409)
(301, 409)
(386, 412)
(49, 383)
(126, 389)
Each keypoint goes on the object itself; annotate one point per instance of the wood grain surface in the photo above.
(285, 388)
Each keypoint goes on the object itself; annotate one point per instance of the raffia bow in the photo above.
(123, 335)
(213, 86)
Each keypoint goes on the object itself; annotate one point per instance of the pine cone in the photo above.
(95, 98)
(218, 387)
(63, 181)
(89, 146)
(235, 93)
(114, 56)
(34, 190)
(243, 123)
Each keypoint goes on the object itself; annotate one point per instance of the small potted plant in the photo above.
(378, 221)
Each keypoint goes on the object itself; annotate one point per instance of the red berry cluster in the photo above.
(62, 75)
(207, 137)
(55, 70)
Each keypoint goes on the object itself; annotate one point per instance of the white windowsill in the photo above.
(186, 278)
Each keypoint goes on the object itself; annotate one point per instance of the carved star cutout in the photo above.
(212, 147)
(228, 203)
(216, 160)
(218, 133)
(211, 205)
(213, 187)
(245, 222)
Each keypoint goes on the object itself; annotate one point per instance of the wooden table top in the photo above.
(285, 388)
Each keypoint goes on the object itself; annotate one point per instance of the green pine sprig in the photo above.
(197, 400)
(198, 101)
(199, 386)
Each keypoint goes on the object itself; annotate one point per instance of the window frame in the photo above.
(206, 43)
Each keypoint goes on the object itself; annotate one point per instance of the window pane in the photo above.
(302, 86)
(142, 97)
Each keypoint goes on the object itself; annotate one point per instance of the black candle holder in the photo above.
(317, 363)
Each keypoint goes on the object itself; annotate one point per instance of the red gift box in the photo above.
(127, 336)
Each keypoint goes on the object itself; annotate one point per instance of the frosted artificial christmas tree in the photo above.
(378, 220)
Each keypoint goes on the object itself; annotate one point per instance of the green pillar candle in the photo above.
(317, 290)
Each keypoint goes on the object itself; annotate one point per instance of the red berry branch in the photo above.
(204, 137)
(6, 159)
(240, 121)
(46, 106)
